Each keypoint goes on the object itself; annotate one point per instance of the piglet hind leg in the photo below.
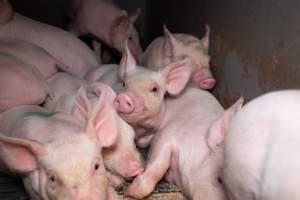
(157, 165)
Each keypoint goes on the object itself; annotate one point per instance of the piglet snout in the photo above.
(135, 169)
(124, 104)
(207, 83)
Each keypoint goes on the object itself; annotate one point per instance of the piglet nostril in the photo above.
(75, 187)
(117, 102)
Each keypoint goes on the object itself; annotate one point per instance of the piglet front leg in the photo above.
(158, 163)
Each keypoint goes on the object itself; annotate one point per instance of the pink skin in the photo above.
(261, 159)
(105, 21)
(20, 83)
(195, 171)
(57, 157)
(62, 45)
(124, 159)
(173, 47)
(33, 54)
(140, 102)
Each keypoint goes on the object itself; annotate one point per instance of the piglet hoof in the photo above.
(139, 188)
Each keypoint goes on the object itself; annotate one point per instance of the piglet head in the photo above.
(180, 46)
(74, 167)
(141, 99)
(124, 30)
(68, 168)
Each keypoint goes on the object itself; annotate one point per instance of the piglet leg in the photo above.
(158, 163)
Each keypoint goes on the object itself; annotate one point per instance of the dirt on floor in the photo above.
(163, 191)
(163, 196)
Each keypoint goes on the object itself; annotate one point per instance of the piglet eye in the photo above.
(52, 178)
(123, 83)
(97, 166)
(154, 89)
(130, 38)
(220, 180)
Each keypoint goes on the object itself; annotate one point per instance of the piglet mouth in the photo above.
(133, 114)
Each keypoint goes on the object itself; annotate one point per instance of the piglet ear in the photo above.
(106, 90)
(171, 41)
(82, 106)
(133, 17)
(102, 121)
(205, 38)
(220, 127)
(127, 63)
(20, 156)
(177, 75)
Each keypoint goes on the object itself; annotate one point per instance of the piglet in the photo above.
(32, 54)
(57, 157)
(141, 100)
(187, 148)
(62, 45)
(174, 47)
(261, 149)
(124, 159)
(105, 21)
(187, 145)
(20, 83)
